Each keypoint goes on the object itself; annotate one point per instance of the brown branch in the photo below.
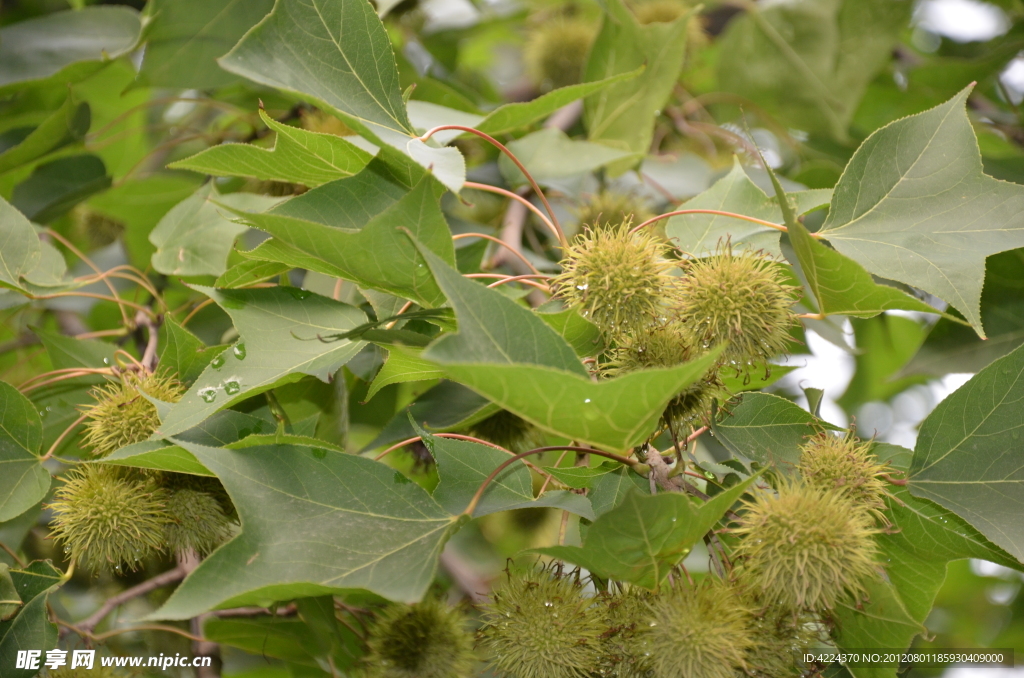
(159, 581)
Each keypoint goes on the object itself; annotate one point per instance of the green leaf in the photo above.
(55, 187)
(768, 429)
(65, 352)
(278, 329)
(67, 124)
(493, 328)
(445, 407)
(967, 453)
(196, 236)
(403, 365)
(644, 537)
(30, 630)
(882, 621)
(378, 255)
(21, 251)
(580, 333)
(309, 158)
(510, 117)
(462, 467)
(611, 489)
(185, 37)
(551, 157)
(338, 53)
(288, 638)
(840, 285)
(157, 455)
(698, 234)
(10, 601)
(905, 210)
(183, 352)
(314, 523)
(951, 347)
(65, 46)
(581, 477)
(622, 115)
(23, 481)
(810, 62)
(247, 273)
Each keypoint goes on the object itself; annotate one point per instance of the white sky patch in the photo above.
(962, 20)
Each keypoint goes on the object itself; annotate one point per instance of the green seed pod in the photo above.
(741, 299)
(669, 346)
(845, 465)
(122, 416)
(427, 640)
(698, 632)
(618, 279)
(510, 431)
(806, 549)
(95, 228)
(780, 637)
(196, 522)
(108, 517)
(608, 209)
(622, 650)
(556, 52)
(660, 11)
(540, 625)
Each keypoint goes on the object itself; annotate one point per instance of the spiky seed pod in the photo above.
(109, 518)
(608, 209)
(540, 625)
(196, 522)
(806, 549)
(698, 632)
(845, 464)
(780, 637)
(625, 612)
(618, 279)
(741, 299)
(96, 228)
(318, 121)
(668, 346)
(510, 431)
(427, 640)
(556, 52)
(122, 416)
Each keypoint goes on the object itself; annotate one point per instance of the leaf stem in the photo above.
(512, 156)
(539, 450)
(529, 205)
(501, 242)
(13, 554)
(502, 279)
(62, 436)
(721, 213)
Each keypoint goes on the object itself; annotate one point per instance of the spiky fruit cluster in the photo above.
(619, 280)
(538, 625)
(660, 11)
(510, 431)
(698, 632)
(608, 209)
(109, 518)
(845, 465)
(806, 549)
(122, 416)
(739, 299)
(623, 652)
(780, 637)
(427, 640)
(196, 522)
(556, 52)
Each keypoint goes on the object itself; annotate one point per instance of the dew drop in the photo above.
(239, 351)
(208, 394)
(217, 362)
(232, 386)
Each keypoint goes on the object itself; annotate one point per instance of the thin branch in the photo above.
(734, 215)
(504, 244)
(159, 581)
(13, 554)
(529, 205)
(62, 436)
(522, 168)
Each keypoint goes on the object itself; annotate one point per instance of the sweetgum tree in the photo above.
(442, 340)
